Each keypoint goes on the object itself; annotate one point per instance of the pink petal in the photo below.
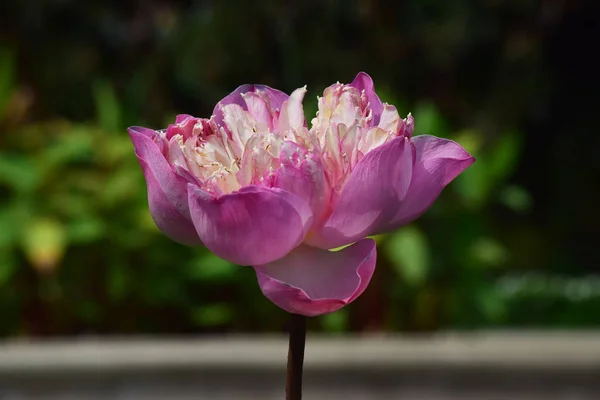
(167, 191)
(389, 119)
(292, 112)
(372, 195)
(303, 174)
(182, 117)
(258, 109)
(292, 179)
(407, 126)
(311, 281)
(255, 225)
(184, 126)
(273, 97)
(437, 162)
(364, 82)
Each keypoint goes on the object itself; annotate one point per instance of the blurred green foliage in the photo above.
(79, 252)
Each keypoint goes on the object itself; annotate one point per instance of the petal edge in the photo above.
(167, 191)
(363, 81)
(371, 196)
(255, 225)
(311, 281)
(437, 163)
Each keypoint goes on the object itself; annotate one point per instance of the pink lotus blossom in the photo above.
(258, 187)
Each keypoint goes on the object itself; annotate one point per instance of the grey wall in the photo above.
(476, 366)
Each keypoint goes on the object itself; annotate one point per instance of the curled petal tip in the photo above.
(364, 82)
(167, 191)
(437, 163)
(273, 97)
(140, 130)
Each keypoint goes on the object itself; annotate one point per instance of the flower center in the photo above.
(251, 145)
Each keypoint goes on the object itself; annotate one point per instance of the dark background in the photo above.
(511, 243)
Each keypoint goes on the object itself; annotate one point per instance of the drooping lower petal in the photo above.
(311, 281)
(167, 191)
(437, 162)
(371, 196)
(256, 225)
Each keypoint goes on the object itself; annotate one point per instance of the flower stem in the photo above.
(293, 384)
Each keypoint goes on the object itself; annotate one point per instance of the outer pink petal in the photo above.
(274, 97)
(311, 281)
(364, 82)
(167, 191)
(437, 162)
(254, 226)
(372, 195)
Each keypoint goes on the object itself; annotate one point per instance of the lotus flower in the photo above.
(257, 186)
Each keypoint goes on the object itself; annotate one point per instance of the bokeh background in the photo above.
(509, 244)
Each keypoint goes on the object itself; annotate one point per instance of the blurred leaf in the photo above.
(7, 233)
(213, 314)
(86, 230)
(429, 121)
(13, 218)
(490, 303)
(472, 141)
(44, 242)
(18, 172)
(7, 77)
(89, 311)
(74, 144)
(117, 151)
(335, 322)
(211, 268)
(145, 222)
(491, 168)
(516, 198)
(120, 185)
(474, 185)
(504, 156)
(311, 108)
(425, 308)
(389, 96)
(118, 280)
(71, 201)
(8, 265)
(489, 252)
(408, 251)
(108, 109)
